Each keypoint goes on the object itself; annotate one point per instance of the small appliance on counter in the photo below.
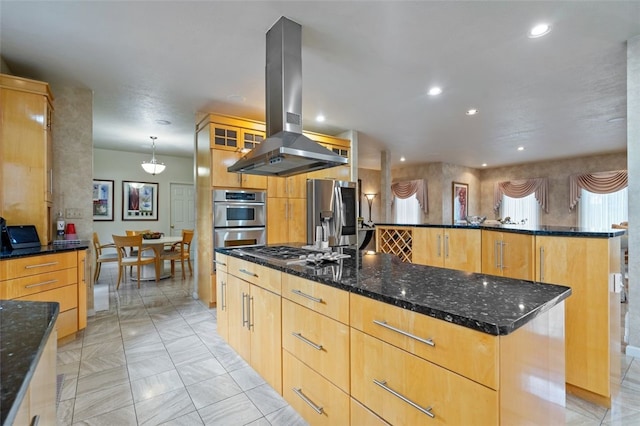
(19, 237)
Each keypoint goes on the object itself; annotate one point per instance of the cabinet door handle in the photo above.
(502, 244)
(223, 286)
(244, 271)
(439, 246)
(298, 392)
(42, 283)
(217, 262)
(35, 421)
(446, 246)
(307, 341)
(250, 303)
(496, 255)
(308, 296)
(383, 385)
(541, 263)
(384, 324)
(244, 308)
(41, 265)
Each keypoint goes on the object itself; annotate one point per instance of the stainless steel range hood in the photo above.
(286, 151)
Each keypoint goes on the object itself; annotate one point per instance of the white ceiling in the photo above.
(366, 66)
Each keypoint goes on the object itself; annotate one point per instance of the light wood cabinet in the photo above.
(50, 278)
(85, 287)
(39, 401)
(451, 248)
(222, 311)
(407, 390)
(314, 397)
(255, 317)
(220, 177)
(286, 220)
(287, 187)
(362, 416)
(508, 254)
(26, 154)
(337, 146)
(588, 266)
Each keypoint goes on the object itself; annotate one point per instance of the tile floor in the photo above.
(152, 356)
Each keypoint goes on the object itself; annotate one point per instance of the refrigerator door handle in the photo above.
(338, 214)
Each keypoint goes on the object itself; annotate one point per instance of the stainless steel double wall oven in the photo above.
(239, 218)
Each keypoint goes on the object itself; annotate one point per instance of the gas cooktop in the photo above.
(286, 255)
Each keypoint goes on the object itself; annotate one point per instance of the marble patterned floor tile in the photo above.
(191, 419)
(629, 396)
(125, 416)
(622, 415)
(585, 408)
(92, 350)
(143, 351)
(101, 337)
(150, 367)
(187, 350)
(102, 401)
(213, 390)
(262, 421)
(69, 370)
(69, 388)
(287, 416)
(175, 332)
(103, 380)
(266, 399)
(97, 364)
(247, 378)
(200, 370)
(197, 317)
(237, 410)
(70, 344)
(65, 412)
(152, 386)
(229, 359)
(69, 356)
(138, 335)
(163, 408)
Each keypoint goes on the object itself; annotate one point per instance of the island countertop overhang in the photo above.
(490, 304)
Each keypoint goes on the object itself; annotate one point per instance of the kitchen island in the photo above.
(587, 260)
(28, 362)
(369, 339)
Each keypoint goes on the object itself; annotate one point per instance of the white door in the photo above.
(183, 208)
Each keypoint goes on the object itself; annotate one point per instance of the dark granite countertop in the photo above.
(487, 303)
(51, 248)
(554, 231)
(24, 330)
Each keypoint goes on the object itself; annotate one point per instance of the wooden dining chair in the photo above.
(131, 250)
(180, 251)
(102, 257)
(124, 259)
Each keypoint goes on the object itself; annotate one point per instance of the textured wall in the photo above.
(370, 181)
(558, 172)
(73, 155)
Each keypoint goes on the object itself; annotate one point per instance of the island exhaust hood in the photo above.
(285, 151)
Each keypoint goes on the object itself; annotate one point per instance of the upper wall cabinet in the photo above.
(26, 191)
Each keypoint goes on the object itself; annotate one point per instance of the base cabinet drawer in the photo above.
(33, 265)
(66, 296)
(317, 400)
(404, 389)
(320, 342)
(362, 416)
(32, 284)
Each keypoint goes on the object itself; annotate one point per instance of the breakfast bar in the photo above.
(364, 338)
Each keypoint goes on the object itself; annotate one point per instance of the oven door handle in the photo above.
(239, 204)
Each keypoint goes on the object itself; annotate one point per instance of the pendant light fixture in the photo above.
(153, 167)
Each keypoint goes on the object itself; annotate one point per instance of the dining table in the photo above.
(148, 272)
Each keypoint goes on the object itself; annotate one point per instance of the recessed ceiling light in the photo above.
(521, 148)
(615, 119)
(435, 91)
(484, 164)
(320, 118)
(402, 158)
(539, 30)
(472, 111)
(237, 98)
(163, 122)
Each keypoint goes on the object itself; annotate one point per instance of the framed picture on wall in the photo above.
(460, 198)
(139, 201)
(102, 199)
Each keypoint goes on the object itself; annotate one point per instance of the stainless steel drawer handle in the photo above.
(298, 392)
(307, 341)
(217, 262)
(308, 296)
(383, 385)
(41, 265)
(384, 324)
(223, 289)
(42, 283)
(244, 271)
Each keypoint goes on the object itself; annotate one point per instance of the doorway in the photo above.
(183, 208)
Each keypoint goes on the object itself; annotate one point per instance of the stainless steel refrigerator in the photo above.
(331, 212)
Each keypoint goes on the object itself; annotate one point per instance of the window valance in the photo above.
(521, 189)
(407, 188)
(598, 183)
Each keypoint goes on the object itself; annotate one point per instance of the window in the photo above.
(524, 210)
(407, 210)
(600, 211)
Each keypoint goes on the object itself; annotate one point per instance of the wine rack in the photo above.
(398, 241)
